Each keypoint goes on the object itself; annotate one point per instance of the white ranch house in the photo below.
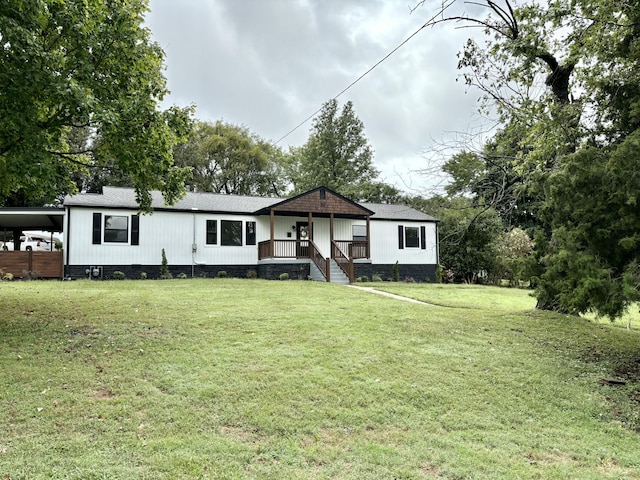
(318, 234)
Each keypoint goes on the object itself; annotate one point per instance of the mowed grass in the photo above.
(255, 379)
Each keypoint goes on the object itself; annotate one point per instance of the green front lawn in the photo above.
(272, 380)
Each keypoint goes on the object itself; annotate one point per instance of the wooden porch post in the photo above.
(368, 252)
(272, 232)
(331, 229)
(310, 226)
(328, 268)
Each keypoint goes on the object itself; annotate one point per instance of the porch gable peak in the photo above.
(320, 201)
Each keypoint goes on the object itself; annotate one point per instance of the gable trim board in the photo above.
(251, 234)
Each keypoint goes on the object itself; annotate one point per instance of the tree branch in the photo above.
(69, 156)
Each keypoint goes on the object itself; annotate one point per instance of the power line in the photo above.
(430, 22)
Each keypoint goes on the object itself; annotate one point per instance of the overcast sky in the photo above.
(269, 64)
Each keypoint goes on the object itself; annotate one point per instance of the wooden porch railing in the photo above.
(283, 249)
(295, 249)
(344, 262)
(353, 249)
(320, 262)
(342, 251)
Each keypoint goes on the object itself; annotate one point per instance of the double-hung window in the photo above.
(116, 229)
(212, 232)
(250, 233)
(412, 237)
(231, 233)
(359, 233)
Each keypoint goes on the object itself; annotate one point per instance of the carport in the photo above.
(31, 264)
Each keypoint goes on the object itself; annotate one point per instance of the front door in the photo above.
(302, 237)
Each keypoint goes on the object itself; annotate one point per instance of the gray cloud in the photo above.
(270, 64)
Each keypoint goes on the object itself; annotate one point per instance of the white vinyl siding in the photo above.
(176, 232)
(385, 249)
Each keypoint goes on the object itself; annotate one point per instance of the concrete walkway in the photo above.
(390, 295)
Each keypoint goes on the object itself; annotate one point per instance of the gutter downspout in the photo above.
(194, 246)
(437, 245)
(66, 241)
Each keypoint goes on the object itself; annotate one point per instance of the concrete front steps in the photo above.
(336, 274)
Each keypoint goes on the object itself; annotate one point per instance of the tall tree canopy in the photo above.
(227, 158)
(564, 80)
(86, 64)
(338, 156)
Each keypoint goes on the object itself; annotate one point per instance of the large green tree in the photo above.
(593, 259)
(563, 78)
(227, 158)
(88, 64)
(338, 156)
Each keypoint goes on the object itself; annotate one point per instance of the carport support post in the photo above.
(16, 238)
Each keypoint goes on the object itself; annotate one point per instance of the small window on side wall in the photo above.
(212, 232)
(116, 229)
(250, 234)
(412, 237)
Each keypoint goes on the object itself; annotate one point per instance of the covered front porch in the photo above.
(329, 230)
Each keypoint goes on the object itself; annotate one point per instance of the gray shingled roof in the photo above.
(117, 197)
(385, 211)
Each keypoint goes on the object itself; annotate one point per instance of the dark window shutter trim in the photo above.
(97, 228)
(135, 230)
(400, 237)
(423, 237)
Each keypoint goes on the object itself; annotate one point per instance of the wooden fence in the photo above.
(32, 264)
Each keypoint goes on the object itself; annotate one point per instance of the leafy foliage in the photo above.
(593, 257)
(88, 65)
(498, 177)
(562, 77)
(165, 274)
(513, 251)
(468, 235)
(227, 158)
(338, 156)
